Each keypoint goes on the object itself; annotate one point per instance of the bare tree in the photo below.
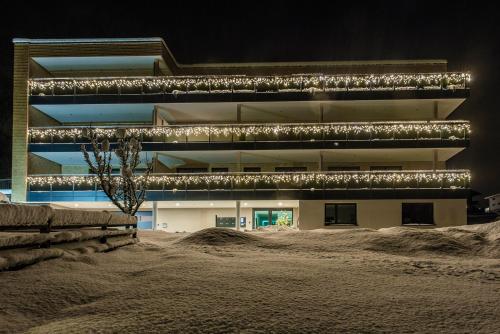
(126, 191)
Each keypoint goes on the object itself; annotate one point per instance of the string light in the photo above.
(231, 84)
(364, 179)
(424, 129)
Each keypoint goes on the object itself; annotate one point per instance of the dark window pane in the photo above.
(386, 168)
(346, 213)
(418, 213)
(220, 170)
(191, 170)
(330, 217)
(343, 168)
(251, 169)
(340, 214)
(290, 169)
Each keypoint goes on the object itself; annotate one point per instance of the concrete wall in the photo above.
(383, 213)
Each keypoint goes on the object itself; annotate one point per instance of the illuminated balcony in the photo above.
(264, 136)
(294, 185)
(247, 88)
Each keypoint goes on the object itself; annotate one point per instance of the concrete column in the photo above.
(321, 113)
(238, 215)
(20, 122)
(320, 161)
(435, 111)
(155, 215)
(238, 161)
(434, 159)
(238, 113)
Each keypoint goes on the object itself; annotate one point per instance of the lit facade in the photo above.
(309, 144)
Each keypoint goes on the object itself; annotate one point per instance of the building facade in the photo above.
(305, 144)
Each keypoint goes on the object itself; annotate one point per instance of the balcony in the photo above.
(295, 185)
(422, 134)
(248, 88)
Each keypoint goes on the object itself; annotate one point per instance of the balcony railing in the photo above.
(372, 131)
(234, 182)
(247, 84)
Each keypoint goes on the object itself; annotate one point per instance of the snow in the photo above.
(39, 215)
(65, 217)
(25, 215)
(400, 280)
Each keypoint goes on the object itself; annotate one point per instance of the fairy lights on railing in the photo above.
(450, 179)
(245, 84)
(420, 129)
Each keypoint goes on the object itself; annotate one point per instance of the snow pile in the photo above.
(220, 237)
(24, 215)
(165, 284)
(276, 228)
(472, 240)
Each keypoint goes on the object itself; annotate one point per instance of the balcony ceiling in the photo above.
(189, 204)
(175, 158)
(226, 112)
(99, 113)
(66, 64)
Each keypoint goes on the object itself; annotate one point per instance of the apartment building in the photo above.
(245, 145)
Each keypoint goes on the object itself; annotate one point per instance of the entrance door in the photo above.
(270, 217)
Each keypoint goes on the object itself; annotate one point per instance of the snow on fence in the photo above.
(24, 217)
(44, 217)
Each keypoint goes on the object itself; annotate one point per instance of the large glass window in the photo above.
(270, 217)
(340, 213)
(418, 214)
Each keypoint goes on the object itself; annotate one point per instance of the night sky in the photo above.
(467, 33)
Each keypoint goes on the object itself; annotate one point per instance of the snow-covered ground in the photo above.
(394, 280)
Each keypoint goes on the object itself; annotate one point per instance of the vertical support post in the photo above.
(238, 162)
(155, 215)
(434, 159)
(320, 161)
(238, 215)
(435, 111)
(321, 117)
(238, 113)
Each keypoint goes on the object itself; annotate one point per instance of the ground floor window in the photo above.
(270, 217)
(340, 213)
(418, 214)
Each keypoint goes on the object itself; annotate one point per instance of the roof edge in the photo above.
(320, 63)
(86, 40)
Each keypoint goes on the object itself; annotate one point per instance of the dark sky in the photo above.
(466, 33)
